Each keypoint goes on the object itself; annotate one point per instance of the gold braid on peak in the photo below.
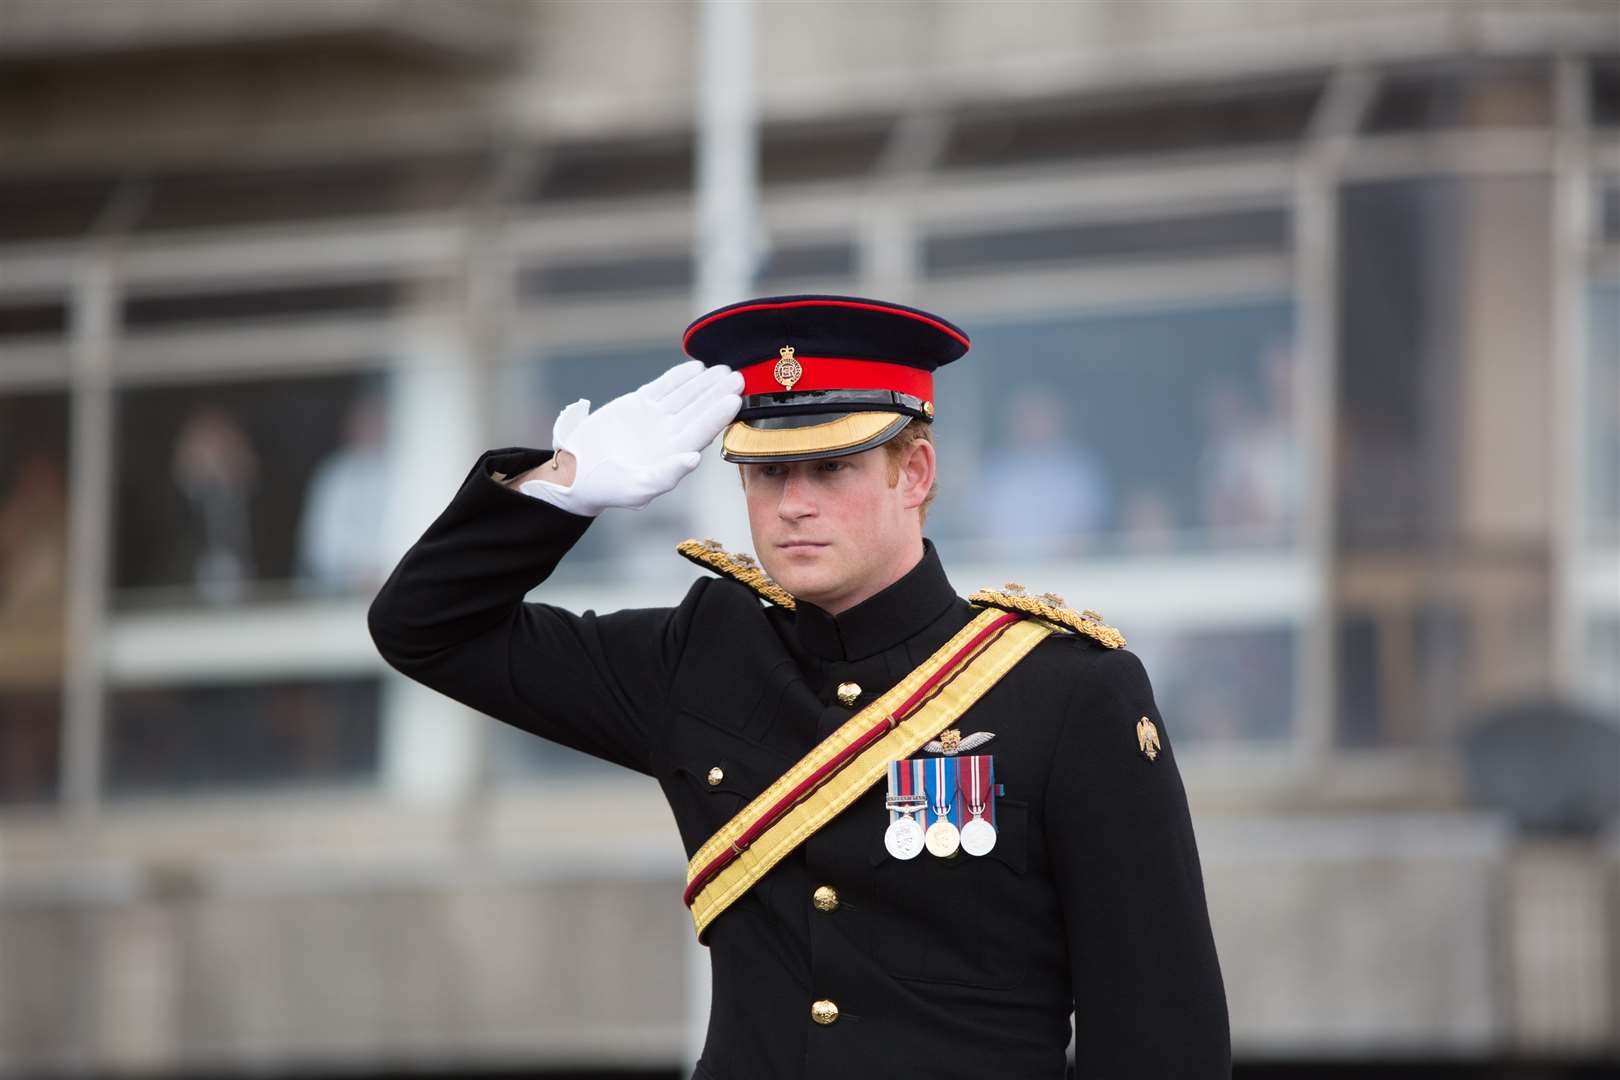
(739, 567)
(1051, 608)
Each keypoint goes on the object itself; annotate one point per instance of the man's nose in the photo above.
(796, 501)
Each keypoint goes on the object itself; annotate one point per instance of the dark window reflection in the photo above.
(1223, 685)
(1605, 99)
(197, 738)
(1400, 359)
(1360, 691)
(1602, 674)
(33, 318)
(33, 539)
(251, 490)
(1603, 413)
(1403, 674)
(1143, 433)
(1227, 233)
(356, 298)
(1078, 129)
(30, 745)
(1485, 95)
(542, 388)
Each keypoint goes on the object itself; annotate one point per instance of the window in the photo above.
(307, 193)
(1225, 233)
(33, 590)
(1399, 351)
(177, 739)
(1140, 433)
(1082, 129)
(250, 490)
(1513, 94)
(1224, 685)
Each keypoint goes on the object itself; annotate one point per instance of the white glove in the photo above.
(640, 444)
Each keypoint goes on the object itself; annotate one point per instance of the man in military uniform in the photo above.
(922, 829)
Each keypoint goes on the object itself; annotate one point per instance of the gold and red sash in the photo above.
(842, 766)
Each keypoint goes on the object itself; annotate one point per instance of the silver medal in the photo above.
(904, 837)
(978, 837)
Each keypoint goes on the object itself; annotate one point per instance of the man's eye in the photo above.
(834, 466)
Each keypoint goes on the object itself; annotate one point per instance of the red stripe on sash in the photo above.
(917, 700)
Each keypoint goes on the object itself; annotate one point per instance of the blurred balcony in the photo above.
(53, 30)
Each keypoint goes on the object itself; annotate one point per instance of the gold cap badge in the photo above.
(1147, 738)
(787, 370)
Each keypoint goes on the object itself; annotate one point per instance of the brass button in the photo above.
(716, 775)
(823, 1011)
(825, 898)
(848, 692)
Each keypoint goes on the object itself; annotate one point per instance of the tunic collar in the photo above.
(883, 620)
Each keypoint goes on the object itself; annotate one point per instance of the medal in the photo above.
(978, 786)
(904, 836)
(943, 838)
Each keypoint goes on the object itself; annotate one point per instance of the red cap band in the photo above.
(832, 373)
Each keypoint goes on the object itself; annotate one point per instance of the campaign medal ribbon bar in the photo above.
(907, 795)
(976, 779)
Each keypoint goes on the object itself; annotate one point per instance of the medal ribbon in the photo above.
(857, 755)
(977, 779)
(942, 791)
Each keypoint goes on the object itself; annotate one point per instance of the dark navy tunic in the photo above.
(1091, 901)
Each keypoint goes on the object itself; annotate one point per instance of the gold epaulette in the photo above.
(1050, 606)
(739, 567)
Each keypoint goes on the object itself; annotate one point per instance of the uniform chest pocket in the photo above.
(714, 773)
(946, 920)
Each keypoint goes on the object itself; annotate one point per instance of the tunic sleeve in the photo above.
(1148, 994)
(452, 616)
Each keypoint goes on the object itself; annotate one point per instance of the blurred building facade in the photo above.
(1297, 354)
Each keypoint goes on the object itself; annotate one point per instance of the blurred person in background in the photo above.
(217, 470)
(1057, 875)
(340, 528)
(1252, 473)
(1044, 494)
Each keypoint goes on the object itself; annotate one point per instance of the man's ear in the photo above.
(917, 473)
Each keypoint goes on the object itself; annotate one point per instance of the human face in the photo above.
(835, 532)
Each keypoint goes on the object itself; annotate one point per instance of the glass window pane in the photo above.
(1223, 685)
(1228, 233)
(1400, 342)
(1143, 432)
(170, 740)
(43, 318)
(288, 193)
(30, 745)
(1510, 94)
(33, 591)
(1084, 128)
(355, 298)
(1601, 672)
(250, 490)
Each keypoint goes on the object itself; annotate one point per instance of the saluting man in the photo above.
(922, 829)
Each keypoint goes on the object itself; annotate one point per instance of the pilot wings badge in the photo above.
(953, 742)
